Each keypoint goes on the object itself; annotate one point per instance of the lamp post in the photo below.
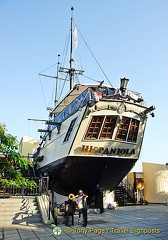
(123, 85)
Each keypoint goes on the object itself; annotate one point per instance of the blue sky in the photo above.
(129, 38)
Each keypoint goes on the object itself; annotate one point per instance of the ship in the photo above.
(93, 136)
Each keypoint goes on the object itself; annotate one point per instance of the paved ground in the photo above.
(132, 223)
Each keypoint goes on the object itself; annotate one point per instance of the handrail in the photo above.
(45, 199)
(128, 190)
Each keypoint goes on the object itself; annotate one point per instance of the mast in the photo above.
(73, 44)
(56, 83)
(71, 70)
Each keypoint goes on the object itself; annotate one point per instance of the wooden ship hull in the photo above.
(93, 139)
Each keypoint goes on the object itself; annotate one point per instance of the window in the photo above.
(133, 131)
(128, 130)
(102, 127)
(108, 127)
(123, 129)
(70, 130)
(94, 127)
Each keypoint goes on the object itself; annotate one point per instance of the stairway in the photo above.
(124, 195)
(120, 195)
(19, 210)
(4, 194)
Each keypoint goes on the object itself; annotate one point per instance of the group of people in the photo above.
(80, 202)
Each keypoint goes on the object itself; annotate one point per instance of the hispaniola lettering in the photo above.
(107, 151)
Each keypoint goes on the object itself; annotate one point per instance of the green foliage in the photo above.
(11, 162)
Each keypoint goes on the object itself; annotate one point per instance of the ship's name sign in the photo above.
(109, 151)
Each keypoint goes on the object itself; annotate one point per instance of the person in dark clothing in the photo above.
(99, 199)
(70, 208)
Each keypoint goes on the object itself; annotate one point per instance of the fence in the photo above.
(42, 186)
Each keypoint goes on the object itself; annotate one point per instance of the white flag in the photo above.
(74, 39)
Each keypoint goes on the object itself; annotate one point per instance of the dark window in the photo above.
(108, 127)
(133, 131)
(70, 130)
(94, 127)
(128, 130)
(123, 129)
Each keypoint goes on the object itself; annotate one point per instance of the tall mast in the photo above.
(71, 70)
(73, 44)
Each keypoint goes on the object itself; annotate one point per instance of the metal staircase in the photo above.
(125, 194)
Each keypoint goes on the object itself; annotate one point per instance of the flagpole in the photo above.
(71, 71)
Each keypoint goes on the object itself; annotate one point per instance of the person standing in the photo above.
(70, 208)
(82, 206)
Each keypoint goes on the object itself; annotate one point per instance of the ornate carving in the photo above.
(121, 108)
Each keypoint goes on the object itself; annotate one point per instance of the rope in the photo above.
(65, 51)
(94, 57)
(63, 86)
(91, 78)
(43, 92)
(48, 68)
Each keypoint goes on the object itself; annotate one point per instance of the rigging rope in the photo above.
(64, 56)
(91, 78)
(63, 86)
(65, 51)
(77, 79)
(48, 68)
(52, 98)
(94, 56)
(43, 92)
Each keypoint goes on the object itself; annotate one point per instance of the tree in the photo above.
(11, 162)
